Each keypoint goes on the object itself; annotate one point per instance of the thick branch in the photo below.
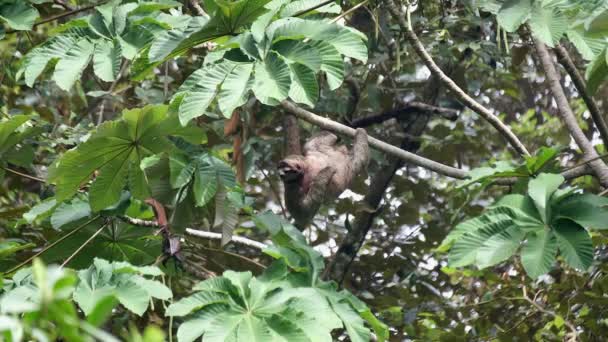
(567, 116)
(409, 157)
(410, 108)
(451, 85)
(564, 58)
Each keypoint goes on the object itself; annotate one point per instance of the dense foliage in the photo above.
(139, 198)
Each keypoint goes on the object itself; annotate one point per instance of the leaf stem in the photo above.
(83, 245)
(77, 229)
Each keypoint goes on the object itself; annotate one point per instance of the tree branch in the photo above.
(564, 58)
(568, 118)
(195, 232)
(410, 108)
(450, 84)
(217, 236)
(409, 157)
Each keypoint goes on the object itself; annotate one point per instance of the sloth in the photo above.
(321, 174)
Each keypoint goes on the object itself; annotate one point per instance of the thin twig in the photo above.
(83, 245)
(274, 190)
(586, 162)
(564, 58)
(313, 8)
(551, 313)
(477, 107)
(23, 174)
(349, 11)
(77, 229)
(242, 257)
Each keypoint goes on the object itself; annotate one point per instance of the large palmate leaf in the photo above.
(115, 151)
(122, 281)
(546, 220)
(112, 32)
(247, 309)
(274, 62)
(538, 253)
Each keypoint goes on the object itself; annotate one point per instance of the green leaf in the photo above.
(588, 46)
(70, 212)
(70, 67)
(304, 87)
(597, 72)
(466, 248)
(112, 149)
(195, 302)
(540, 190)
(298, 52)
(102, 311)
(154, 288)
(9, 127)
(574, 244)
(227, 19)
(181, 170)
(106, 60)
(234, 91)
(18, 14)
(499, 247)
(201, 88)
(538, 253)
(474, 225)
(598, 22)
(331, 64)
(167, 41)
(548, 25)
(133, 297)
(205, 185)
(353, 323)
(108, 186)
(40, 209)
(272, 80)
(585, 214)
(513, 14)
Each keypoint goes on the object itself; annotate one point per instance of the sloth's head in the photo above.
(292, 168)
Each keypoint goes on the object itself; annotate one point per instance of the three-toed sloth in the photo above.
(321, 174)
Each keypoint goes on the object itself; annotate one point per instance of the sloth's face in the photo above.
(290, 170)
